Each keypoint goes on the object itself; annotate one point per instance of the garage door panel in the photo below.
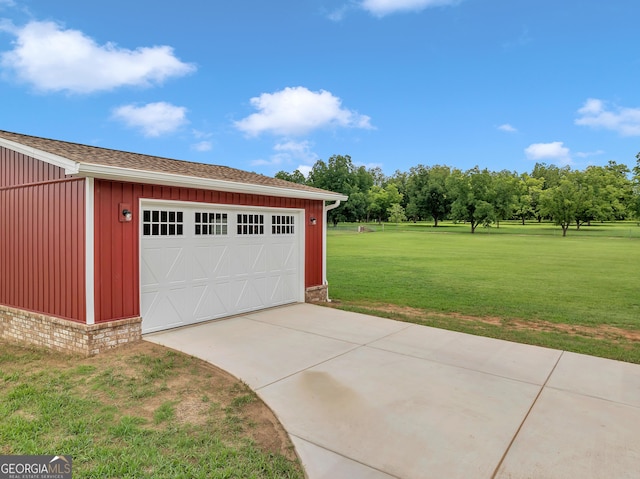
(284, 289)
(291, 262)
(276, 257)
(239, 261)
(222, 259)
(200, 301)
(202, 263)
(164, 265)
(153, 270)
(277, 292)
(258, 259)
(209, 303)
(176, 266)
(163, 311)
(252, 295)
(282, 257)
(200, 276)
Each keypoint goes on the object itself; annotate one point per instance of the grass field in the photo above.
(140, 412)
(524, 283)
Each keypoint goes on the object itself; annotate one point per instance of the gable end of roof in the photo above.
(70, 167)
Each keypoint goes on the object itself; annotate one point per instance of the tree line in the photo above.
(478, 196)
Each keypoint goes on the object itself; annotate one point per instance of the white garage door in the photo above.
(201, 262)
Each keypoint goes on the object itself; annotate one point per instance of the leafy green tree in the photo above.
(603, 193)
(412, 212)
(635, 199)
(550, 176)
(560, 203)
(378, 176)
(416, 192)
(585, 199)
(339, 174)
(618, 190)
(504, 195)
(295, 177)
(396, 213)
(472, 193)
(527, 196)
(427, 192)
(364, 179)
(400, 178)
(381, 199)
(355, 209)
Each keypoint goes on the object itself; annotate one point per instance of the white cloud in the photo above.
(554, 151)
(508, 128)
(338, 14)
(290, 152)
(380, 8)
(202, 146)
(54, 59)
(201, 135)
(596, 114)
(205, 143)
(298, 150)
(587, 154)
(154, 119)
(298, 111)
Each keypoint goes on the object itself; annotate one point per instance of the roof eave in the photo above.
(170, 179)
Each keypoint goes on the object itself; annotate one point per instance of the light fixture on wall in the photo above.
(312, 221)
(124, 213)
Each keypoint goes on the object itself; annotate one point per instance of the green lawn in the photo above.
(589, 280)
(139, 412)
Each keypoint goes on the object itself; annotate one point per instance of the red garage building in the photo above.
(98, 246)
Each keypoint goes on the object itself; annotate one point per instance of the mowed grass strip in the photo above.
(579, 293)
(141, 412)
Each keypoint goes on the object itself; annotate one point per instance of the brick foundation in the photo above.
(317, 294)
(22, 326)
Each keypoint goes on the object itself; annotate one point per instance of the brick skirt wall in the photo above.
(22, 326)
(317, 294)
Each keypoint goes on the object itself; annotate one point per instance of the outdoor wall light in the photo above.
(312, 221)
(125, 214)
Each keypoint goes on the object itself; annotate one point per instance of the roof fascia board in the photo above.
(170, 179)
(70, 166)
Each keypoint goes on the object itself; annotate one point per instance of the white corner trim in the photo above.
(171, 179)
(70, 167)
(89, 259)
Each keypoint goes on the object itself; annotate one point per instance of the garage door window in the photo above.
(211, 224)
(282, 225)
(250, 224)
(162, 223)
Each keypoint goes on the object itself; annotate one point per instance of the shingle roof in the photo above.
(93, 155)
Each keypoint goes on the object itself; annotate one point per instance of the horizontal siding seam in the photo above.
(39, 183)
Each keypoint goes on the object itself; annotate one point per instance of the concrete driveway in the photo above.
(365, 397)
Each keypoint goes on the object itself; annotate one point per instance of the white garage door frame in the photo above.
(167, 303)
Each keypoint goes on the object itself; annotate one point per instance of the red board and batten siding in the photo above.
(117, 244)
(42, 240)
(42, 246)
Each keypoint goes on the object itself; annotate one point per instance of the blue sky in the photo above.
(276, 85)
